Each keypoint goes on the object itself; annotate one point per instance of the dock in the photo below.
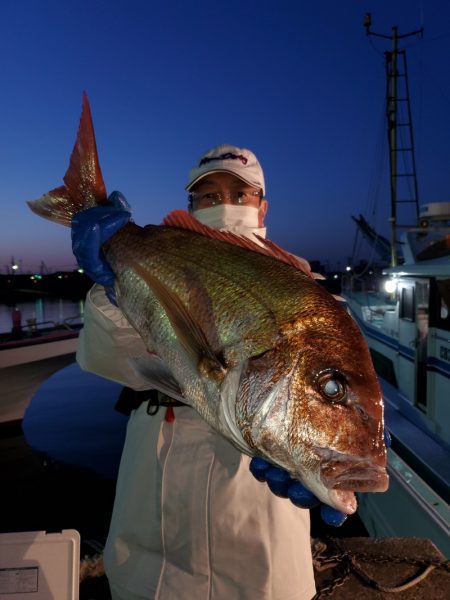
(47, 491)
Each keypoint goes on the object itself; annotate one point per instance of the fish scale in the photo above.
(229, 288)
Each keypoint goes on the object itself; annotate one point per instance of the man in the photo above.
(189, 520)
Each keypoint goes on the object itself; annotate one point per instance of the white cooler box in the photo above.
(36, 565)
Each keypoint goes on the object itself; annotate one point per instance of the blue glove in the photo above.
(91, 228)
(282, 484)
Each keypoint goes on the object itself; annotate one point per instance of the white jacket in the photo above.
(189, 522)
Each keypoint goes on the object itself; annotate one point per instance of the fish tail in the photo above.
(83, 182)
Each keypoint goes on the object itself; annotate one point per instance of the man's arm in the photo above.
(108, 343)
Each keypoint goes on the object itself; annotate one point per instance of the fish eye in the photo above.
(332, 387)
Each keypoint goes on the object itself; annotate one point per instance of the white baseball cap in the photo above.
(228, 159)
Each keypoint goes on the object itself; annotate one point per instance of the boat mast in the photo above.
(392, 112)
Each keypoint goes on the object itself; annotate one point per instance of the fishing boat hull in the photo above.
(408, 334)
(410, 508)
(26, 363)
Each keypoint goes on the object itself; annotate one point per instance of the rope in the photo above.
(382, 588)
(345, 562)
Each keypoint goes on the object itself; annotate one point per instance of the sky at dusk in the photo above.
(298, 82)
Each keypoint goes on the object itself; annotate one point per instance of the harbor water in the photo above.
(43, 310)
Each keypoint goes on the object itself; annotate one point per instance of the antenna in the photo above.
(394, 77)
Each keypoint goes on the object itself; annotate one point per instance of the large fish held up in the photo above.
(241, 332)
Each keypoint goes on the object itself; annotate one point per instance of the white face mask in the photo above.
(242, 220)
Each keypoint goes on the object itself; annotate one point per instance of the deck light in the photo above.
(390, 285)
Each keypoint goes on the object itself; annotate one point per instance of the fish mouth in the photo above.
(343, 500)
(363, 479)
(344, 475)
(342, 487)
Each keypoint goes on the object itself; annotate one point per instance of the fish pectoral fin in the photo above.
(153, 370)
(188, 331)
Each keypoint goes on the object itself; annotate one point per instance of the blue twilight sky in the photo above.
(296, 81)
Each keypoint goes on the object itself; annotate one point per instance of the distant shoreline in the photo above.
(23, 287)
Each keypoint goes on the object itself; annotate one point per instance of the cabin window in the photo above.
(422, 304)
(443, 304)
(384, 367)
(407, 303)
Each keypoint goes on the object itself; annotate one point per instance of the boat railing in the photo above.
(32, 328)
(373, 303)
(69, 323)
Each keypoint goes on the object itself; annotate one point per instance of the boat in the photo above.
(28, 356)
(404, 314)
(32, 350)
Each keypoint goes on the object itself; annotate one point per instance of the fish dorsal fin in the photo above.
(84, 186)
(183, 220)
